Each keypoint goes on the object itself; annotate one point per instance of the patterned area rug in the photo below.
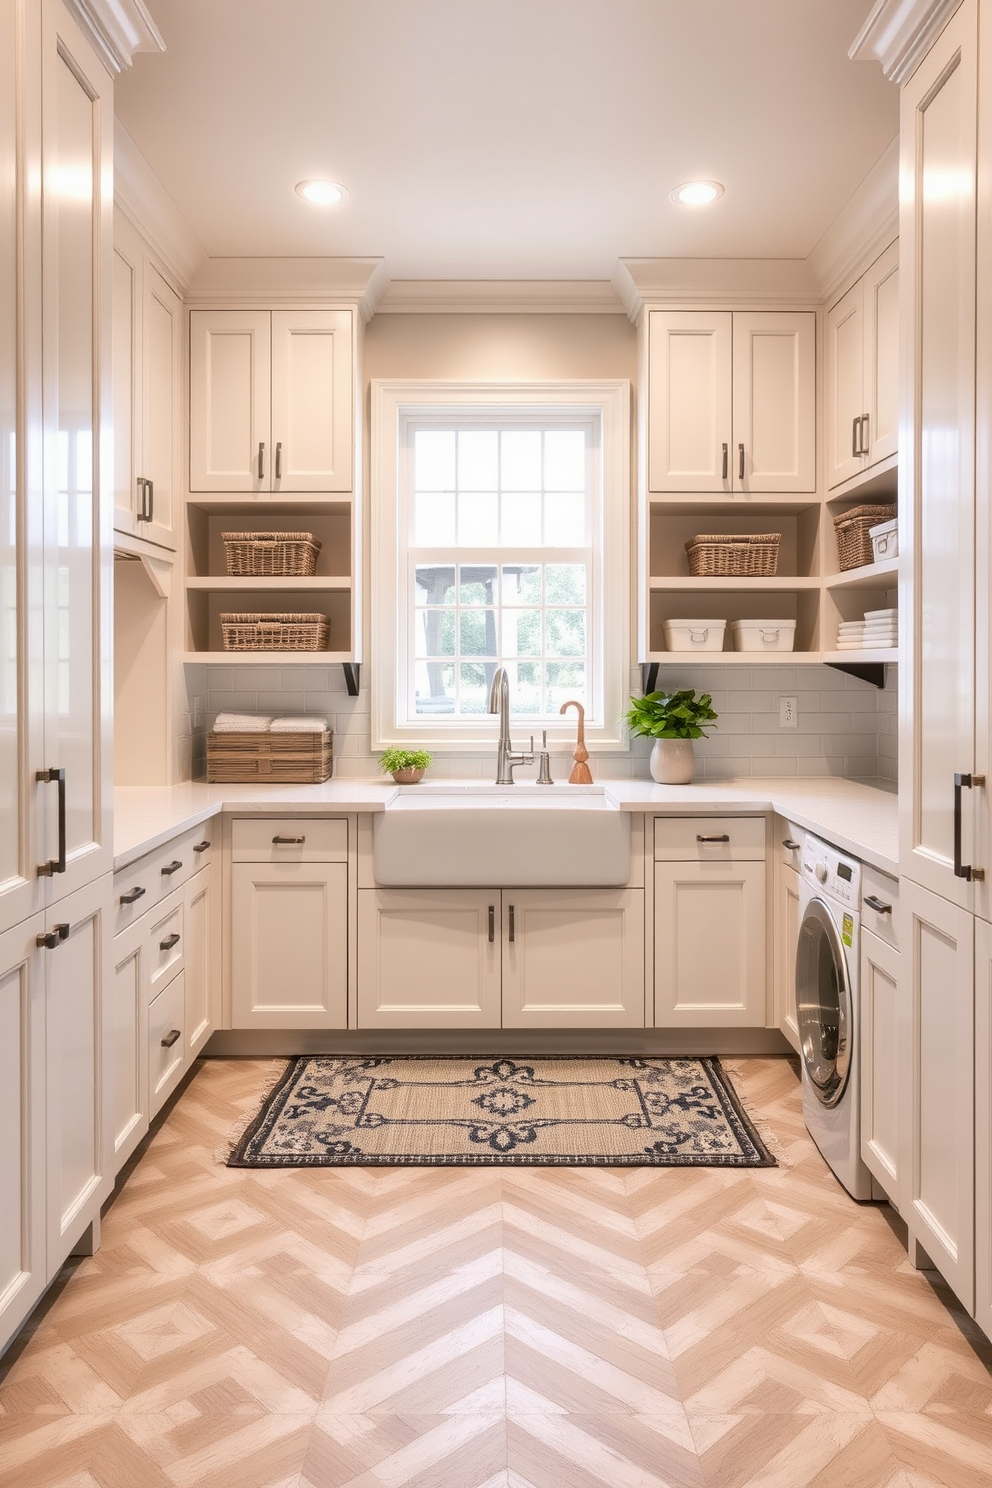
(451, 1110)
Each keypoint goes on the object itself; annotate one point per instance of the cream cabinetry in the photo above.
(885, 1102)
(983, 1125)
(788, 843)
(732, 401)
(289, 923)
(271, 401)
(538, 958)
(862, 372)
(709, 922)
(147, 369)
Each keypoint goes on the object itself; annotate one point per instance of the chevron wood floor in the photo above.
(541, 1328)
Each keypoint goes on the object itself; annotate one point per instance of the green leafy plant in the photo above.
(405, 759)
(671, 715)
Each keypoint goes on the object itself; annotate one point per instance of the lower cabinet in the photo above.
(709, 945)
(940, 1186)
(785, 931)
(202, 975)
(983, 1126)
(55, 1167)
(485, 958)
(882, 1066)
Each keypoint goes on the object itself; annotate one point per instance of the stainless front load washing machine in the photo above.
(828, 1008)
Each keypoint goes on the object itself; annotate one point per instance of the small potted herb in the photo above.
(406, 766)
(672, 720)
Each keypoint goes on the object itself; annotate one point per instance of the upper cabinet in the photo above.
(862, 372)
(271, 401)
(147, 363)
(731, 402)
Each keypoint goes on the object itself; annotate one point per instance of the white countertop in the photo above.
(859, 819)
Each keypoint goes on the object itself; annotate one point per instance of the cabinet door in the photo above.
(573, 959)
(429, 958)
(312, 400)
(937, 475)
(983, 1125)
(786, 941)
(880, 435)
(845, 396)
(709, 945)
(161, 382)
(940, 1187)
(689, 400)
(77, 972)
(22, 1111)
(128, 1040)
(229, 389)
(77, 98)
(289, 939)
(774, 402)
(201, 919)
(884, 1069)
(125, 368)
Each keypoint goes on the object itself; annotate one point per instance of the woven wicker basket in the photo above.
(854, 549)
(295, 759)
(754, 554)
(282, 554)
(274, 632)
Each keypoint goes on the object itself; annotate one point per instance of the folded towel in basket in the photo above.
(299, 723)
(242, 723)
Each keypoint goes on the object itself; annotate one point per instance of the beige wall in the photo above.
(497, 346)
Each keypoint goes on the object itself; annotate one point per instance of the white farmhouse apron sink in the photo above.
(515, 836)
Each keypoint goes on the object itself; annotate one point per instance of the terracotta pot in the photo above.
(409, 776)
(672, 761)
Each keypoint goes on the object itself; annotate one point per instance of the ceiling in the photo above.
(508, 139)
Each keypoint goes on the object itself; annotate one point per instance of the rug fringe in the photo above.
(241, 1123)
(770, 1138)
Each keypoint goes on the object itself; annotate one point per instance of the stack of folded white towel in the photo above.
(879, 630)
(260, 723)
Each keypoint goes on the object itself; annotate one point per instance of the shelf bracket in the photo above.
(352, 670)
(649, 676)
(865, 671)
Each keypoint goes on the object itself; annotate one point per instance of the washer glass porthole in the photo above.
(823, 1004)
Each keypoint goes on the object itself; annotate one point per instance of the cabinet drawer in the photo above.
(166, 1043)
(136, 889)
(140, 887)
(709, 839)
(204, 844)
(165, 942)
(293, 839)
(883, 890)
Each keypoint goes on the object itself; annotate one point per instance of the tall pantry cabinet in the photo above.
(946, 680)
(56, 118)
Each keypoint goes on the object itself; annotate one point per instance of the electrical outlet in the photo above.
(788, 712)
(197, 712)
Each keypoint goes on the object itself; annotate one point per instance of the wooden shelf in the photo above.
(717, 583)
(876, 484)
(267, 658)
(872, 576)
(281, 584)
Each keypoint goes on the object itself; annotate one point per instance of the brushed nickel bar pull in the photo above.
(726, 461)
(740, 468)
(279, 461)
(855, 436)
(716, 837)
(492, 923)
(864, 435)
(285, 840)
(261, 460)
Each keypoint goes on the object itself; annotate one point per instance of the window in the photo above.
(500, 536)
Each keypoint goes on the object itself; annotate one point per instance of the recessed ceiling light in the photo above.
(321, 193)
(696, 193)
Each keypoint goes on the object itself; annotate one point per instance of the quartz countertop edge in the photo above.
(856, 818)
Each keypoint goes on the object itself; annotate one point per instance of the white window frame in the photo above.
(393, 403)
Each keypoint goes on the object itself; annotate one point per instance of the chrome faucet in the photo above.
(499, 702)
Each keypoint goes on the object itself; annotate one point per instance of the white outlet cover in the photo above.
(788, 712)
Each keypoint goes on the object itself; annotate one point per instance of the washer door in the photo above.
(823, 1004)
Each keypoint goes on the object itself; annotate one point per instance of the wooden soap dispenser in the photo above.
(581, 773)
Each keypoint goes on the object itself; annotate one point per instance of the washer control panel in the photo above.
(832, 871)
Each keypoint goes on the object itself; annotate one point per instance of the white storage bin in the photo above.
(694, 635)
(763, 635)
(885, 540)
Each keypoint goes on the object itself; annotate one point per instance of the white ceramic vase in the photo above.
(672, 761)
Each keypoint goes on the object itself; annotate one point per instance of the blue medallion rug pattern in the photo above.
(438, 1110)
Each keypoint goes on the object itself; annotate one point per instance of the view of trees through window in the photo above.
(501, 568)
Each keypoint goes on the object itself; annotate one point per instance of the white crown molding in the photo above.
(289, 281)
(142, 198)
(731, 281)
(500, 297)
(867, 223)
(119, 28)
(897, 33)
